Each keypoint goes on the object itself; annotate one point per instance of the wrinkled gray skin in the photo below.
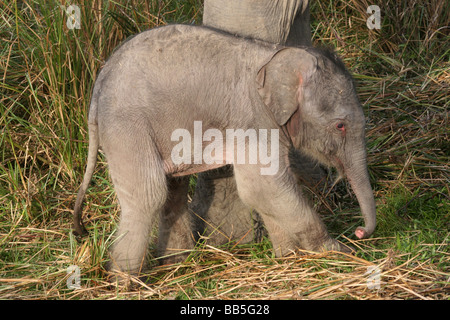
(217, 212)
(275, 21)
(167, 78)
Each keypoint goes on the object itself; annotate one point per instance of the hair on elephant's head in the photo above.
(310, 92)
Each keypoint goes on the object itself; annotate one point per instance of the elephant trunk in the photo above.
(358, 177)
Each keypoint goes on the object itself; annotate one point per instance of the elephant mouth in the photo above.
(337, 163)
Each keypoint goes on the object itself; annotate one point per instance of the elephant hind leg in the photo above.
(141, 186)
(175, 238)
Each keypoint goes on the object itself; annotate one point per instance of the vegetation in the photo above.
(46, 74)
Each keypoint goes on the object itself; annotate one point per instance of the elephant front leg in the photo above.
(291, 222)
(175, 238)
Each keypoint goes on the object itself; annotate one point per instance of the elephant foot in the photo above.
(334, 245)
(321, 241)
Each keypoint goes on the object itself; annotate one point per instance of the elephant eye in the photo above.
(340, 126)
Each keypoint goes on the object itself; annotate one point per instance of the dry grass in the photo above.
(309, 276)
(219, 274)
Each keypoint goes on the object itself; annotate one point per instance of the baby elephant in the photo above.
(178, 100)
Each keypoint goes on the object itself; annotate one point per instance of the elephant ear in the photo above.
(281, 81)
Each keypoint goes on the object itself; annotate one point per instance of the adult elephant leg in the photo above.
(219, 216)
(276, 21)
(175, 235)
(300, 32)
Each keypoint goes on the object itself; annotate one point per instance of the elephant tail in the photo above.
(78, 227)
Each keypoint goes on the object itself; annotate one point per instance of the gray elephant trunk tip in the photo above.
(363, 233)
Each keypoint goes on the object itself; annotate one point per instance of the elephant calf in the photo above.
(180, 99)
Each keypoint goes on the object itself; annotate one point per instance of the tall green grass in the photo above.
(46, 75)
